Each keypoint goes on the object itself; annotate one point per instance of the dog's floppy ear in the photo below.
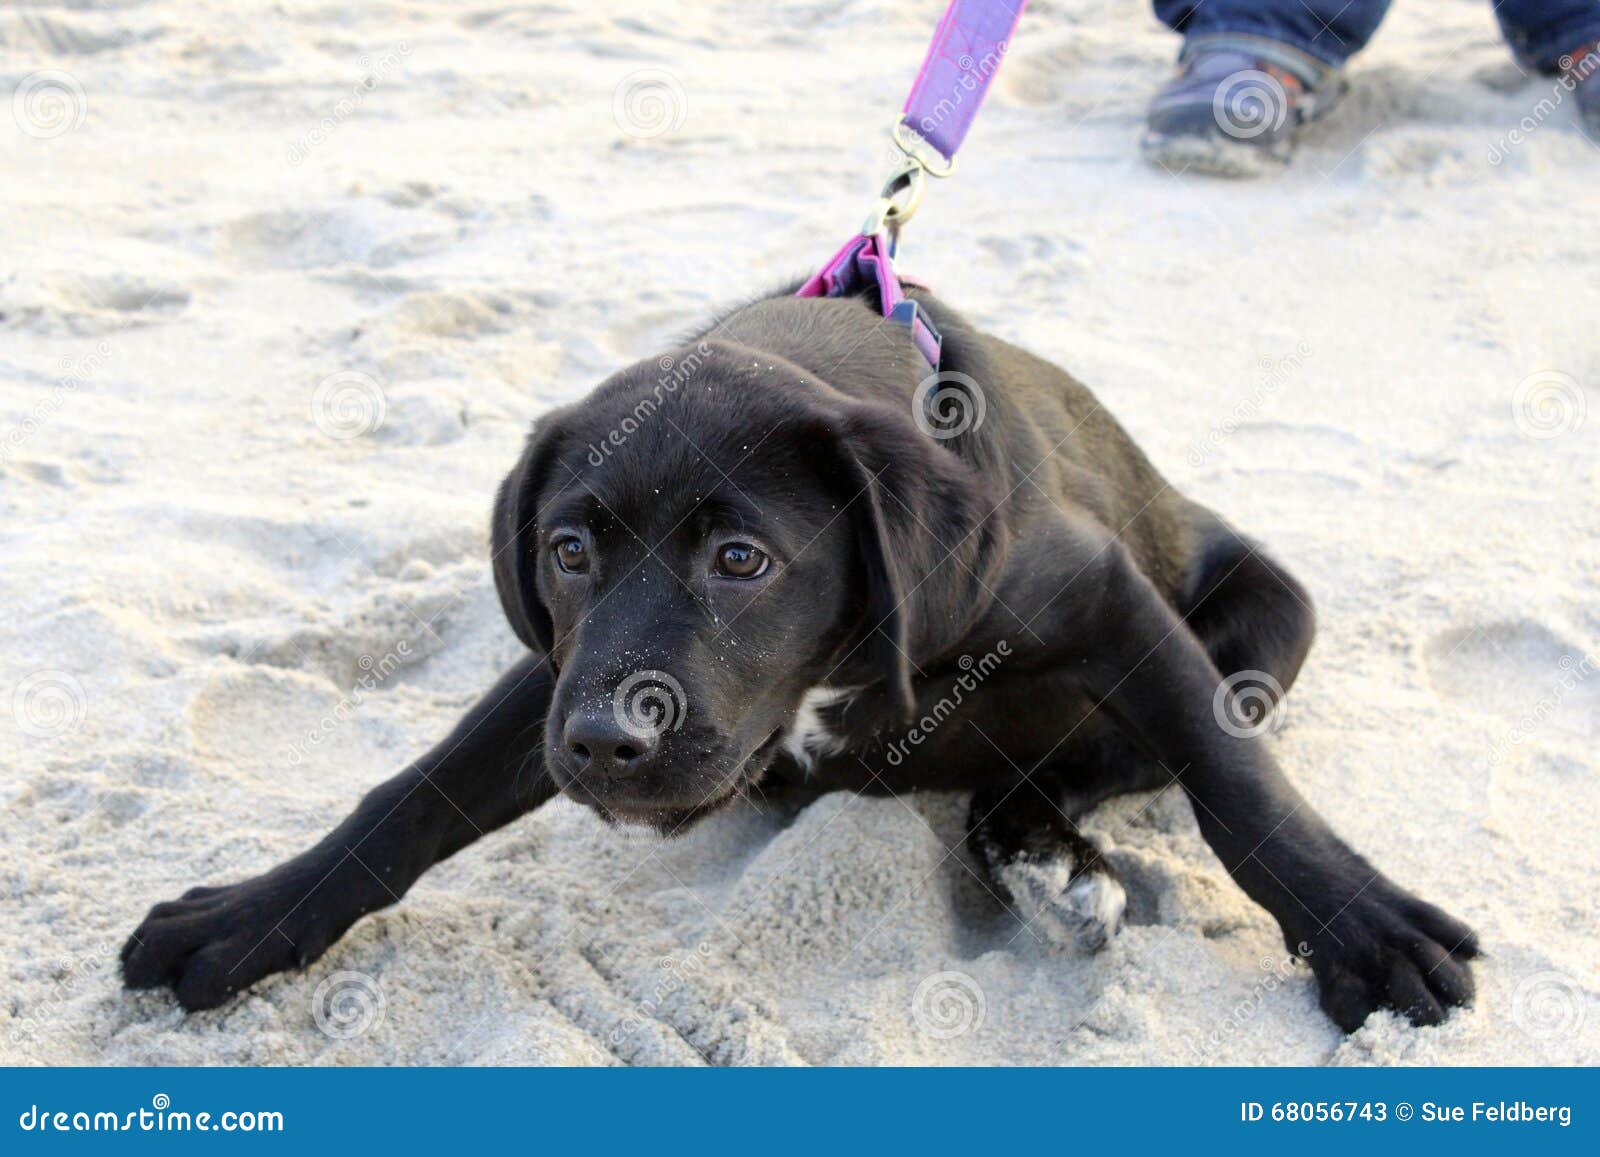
(512, 526)
(927, 548)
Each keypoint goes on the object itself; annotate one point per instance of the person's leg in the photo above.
(1330, 30)
(1560, 37)
(1250, 74)
(1542, 32)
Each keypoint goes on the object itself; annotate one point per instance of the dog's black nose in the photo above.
(600, 745)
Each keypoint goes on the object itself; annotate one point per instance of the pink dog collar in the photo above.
(966, 52)
(864, 262)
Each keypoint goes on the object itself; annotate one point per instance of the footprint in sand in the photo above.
(41, 471)
(58, 37)
(1016, 249)
(365, 232)
(287, 729)
(1428, 156)
(453, 315)
(1035, 259)
(127, 295)
(83, 304)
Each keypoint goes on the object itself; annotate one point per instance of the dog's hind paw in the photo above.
(1078, 909)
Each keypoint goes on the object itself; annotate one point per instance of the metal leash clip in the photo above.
(901, 194)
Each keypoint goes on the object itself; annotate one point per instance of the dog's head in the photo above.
(705, 538)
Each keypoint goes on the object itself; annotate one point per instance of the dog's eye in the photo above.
(571, 555)
(740, 560)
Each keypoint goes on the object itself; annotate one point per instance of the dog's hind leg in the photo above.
(1249, 613)
(1101, 762)
(1371, 943)
(1247, 610)
(1055, 879)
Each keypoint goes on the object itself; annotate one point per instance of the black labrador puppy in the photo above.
(787, 554)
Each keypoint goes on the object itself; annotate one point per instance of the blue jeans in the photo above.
(1539, 31)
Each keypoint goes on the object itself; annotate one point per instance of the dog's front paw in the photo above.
(1075, 907)
(214, 942)
(1388, 949)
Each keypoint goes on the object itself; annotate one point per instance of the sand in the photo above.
(285, 283)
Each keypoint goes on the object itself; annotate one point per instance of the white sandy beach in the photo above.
(282, 285)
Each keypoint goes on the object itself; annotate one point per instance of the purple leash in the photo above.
(966, 52)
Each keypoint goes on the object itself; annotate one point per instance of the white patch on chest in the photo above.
(808, 737)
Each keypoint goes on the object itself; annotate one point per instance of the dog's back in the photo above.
(1038, 433)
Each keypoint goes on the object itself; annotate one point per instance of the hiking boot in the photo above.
(1581, 69)
(1236, 104)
